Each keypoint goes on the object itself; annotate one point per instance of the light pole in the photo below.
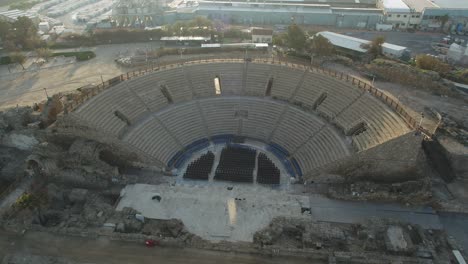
(47, 96)
(422, 117)
(181, 51)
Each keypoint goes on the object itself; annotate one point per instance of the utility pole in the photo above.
(47, 96)
(422, 117)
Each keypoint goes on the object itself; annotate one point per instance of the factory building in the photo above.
(457, 12)
(260, 13)
(362, 14)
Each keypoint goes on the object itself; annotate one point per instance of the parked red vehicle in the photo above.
(151, 243)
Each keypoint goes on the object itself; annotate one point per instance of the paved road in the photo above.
(102, 250)
(324, 209)
(456, 225)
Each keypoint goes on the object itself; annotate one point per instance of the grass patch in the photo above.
(80, 55)
(5, 60)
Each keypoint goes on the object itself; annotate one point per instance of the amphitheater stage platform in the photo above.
(213, 211)
(216, 212)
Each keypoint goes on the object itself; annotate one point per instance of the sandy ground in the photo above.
(26, 87)
(103, 250)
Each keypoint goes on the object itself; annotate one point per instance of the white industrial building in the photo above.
(417, 8)
(44, 26)
(261, 35)
(458, 54)
(358, 45)
(396, 13)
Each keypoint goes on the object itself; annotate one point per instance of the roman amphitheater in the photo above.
(231, 151)
(303, 118)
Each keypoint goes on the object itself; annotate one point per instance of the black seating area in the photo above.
(200, 168)
(267, 172)
(236, 164)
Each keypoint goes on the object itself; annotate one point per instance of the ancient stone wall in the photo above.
(393, 161)
(456, 157)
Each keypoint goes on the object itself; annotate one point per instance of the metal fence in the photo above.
(285, 61)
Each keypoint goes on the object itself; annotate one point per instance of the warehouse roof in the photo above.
(451, 3)
(419, 5)
(262, 31)
(396, 6)
(186, 38)
(353, 43)
(344, 41)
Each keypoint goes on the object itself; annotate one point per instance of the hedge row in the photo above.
(80, 56)
(5, 60)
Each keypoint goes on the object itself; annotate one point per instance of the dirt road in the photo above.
(103, 250)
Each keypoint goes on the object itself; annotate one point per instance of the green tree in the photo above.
(375, 47)
(321, 46)
(44, 53)
(5, 28)
(296, 37)
(19, 58)
(280, 39)
(426, 62)
(22, 34)
(201, 22)
(24, 27)
(443, 20)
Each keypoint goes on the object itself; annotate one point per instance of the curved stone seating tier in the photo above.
(151, 137)
(176, 82)
(202, 79)
(339, 93)
(382, 123)
(296, 128)
(138, 111)
(231, 77)
(163, 134)
(262, 118)
(324, 147)
(219, 115)
(100, 110)
(285, 81)
(147, 88)
(257, 78)
(184, 122)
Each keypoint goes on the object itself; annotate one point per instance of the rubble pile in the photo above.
(413, 192)
(387, 237)
(404, 74)
(454, 128)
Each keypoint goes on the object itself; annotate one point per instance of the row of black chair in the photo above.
(200, 169)
(267, 172)
(236, 164)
